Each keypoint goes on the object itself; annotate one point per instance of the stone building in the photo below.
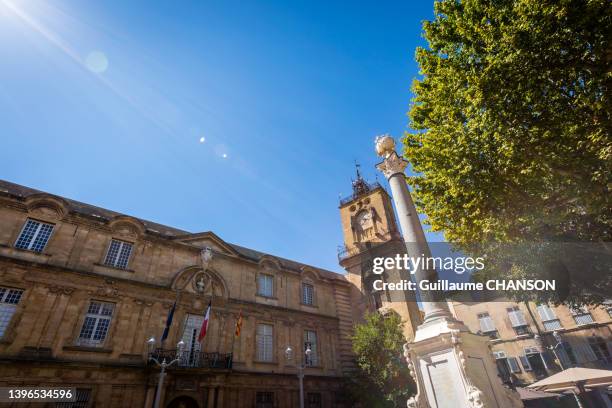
(532, 341)
(82, 289)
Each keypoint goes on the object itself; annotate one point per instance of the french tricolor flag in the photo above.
(205, 323)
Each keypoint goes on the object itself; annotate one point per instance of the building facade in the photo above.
(83, 288)
(532, 341)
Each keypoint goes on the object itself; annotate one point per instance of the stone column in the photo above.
(450, 365)
(393, 168)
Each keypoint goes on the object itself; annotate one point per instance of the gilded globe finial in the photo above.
(385, 145)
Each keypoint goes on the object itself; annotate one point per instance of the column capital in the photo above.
(392, 164)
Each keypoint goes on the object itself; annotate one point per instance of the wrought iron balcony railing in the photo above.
(377, 238)
(195, 359)
(369, 187)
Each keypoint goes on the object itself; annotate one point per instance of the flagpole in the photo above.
(176, 301)
(237, 330)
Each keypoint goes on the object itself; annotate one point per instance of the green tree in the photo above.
(511, 140)
(383, 379)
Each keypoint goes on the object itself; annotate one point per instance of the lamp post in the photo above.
(163, 364)
(300, 369)
(553, 349)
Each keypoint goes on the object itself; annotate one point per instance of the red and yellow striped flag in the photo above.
(239, 324)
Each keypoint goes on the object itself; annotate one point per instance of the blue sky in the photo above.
(107, 102)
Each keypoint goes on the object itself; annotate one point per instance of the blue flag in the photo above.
(168, 322)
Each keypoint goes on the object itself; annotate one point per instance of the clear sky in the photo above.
(242, 118)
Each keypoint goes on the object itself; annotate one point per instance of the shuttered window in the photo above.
(584, 353)
(598, 345)
(34, 236)
(566, 355)
(517, 318)
(549, 318)
(525, 363)
(118, 254)
(265, 342)
(9, 298)
(513, 364)
(486, 323)
(265, 285)
(518, 321)
(310, 339)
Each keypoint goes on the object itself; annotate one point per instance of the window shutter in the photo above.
(6, 314)
(584, 353)
(517, 318)
(546, 313)
(563, 358)
(525, 363)
(486, 324)
(548, 359)
(513, 364)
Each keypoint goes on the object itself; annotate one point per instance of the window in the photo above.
(598, 345)
(313, 400)
(265, 342)
(81, 400)
(581, 315)
(118, 254)
(34, 236)
(487, 327)
(307, 294)
(310, 339)
(533, 361)
(264, 400)
(584, 352)
(513, 364)
(9, 298)
(549, 318)
(567, 358)
(96, 324)
(517, 319)
(265, 285)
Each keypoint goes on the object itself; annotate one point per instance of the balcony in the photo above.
(375, 239)
(356, 194)
(195, 359)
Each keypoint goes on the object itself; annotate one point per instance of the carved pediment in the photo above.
(206, 283)
(207, 239)
(47, 206)
(127, 226)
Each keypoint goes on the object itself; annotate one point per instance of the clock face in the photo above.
(364, 219)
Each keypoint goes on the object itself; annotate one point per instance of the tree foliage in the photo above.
(512, 124)
(383, 379)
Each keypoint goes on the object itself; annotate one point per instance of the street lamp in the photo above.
(160, 384)
(300, 368)
(559, 341)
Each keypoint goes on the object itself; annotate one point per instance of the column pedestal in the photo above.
(454, 368)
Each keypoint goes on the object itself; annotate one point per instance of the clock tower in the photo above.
(370, 231)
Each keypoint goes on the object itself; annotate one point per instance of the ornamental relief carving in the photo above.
(57, 289)
(108, 289)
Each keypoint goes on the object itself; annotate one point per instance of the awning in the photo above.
(526, 394)
(573, 377)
